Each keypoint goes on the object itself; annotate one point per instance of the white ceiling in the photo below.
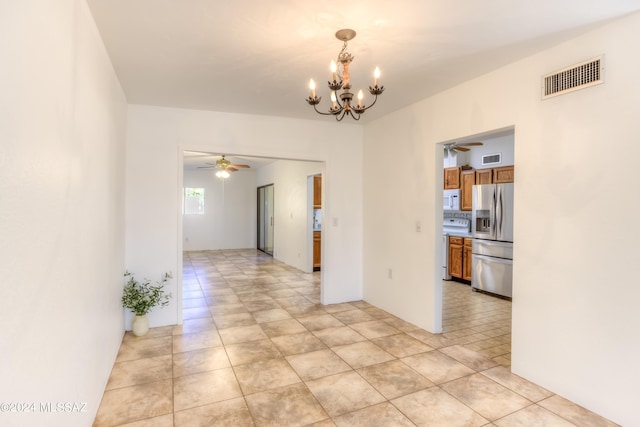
(256, 56)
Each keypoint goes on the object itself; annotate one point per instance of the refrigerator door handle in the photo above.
(499, 206)
(493, 215)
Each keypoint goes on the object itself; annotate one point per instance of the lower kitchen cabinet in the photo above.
(316, 250)
(466, 259)
(455, 256)
(460, 257)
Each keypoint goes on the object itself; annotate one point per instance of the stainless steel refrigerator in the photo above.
(492, 229)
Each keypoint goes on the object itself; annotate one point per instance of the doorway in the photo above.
(482, 322)
(265, 218)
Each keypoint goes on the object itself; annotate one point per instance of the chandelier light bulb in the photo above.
(376, 76)
(334, 99)
(334, 70)
(312, 86)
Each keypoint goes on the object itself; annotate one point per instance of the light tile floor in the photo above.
(257, 348)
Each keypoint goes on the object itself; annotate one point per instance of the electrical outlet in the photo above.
(418, 227)
(390, 273)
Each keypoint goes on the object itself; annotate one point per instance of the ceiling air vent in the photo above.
(579, 76)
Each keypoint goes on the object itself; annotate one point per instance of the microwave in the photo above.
(451, 201)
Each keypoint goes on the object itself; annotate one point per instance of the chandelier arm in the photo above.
(340, 116)
(338, 102)
(372, 104)
(320, 112)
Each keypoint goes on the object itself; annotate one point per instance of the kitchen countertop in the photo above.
(459, 234)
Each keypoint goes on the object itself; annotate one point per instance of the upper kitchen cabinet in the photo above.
(499, 175)
(503, 174)
(467, 181)
(452, 178)
(484, 176)
(317, 192)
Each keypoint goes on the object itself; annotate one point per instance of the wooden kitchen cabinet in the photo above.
(317, 191)
(317, 250)
(484, 176)
(503, 174)
(452, 178)
(467, 180)
(460, 265)
(456, 254)
(499, 175)
(467, 267)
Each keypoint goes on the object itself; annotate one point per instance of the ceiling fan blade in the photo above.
(205, 167)
(461, 149)
(471, 144)
(230, 169)
(240, 166)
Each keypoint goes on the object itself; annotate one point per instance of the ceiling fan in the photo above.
(452, 147)
(225, 165)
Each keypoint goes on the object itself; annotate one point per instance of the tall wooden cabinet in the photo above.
(317, 192)
(317, 235)
(467, 180)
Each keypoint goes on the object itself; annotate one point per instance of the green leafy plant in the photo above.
(140, 297)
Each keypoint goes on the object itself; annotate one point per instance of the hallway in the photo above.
(257, 348)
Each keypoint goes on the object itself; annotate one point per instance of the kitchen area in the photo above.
(317, 222)
(478, 195)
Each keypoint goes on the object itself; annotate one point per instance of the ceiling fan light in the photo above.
(223, 174)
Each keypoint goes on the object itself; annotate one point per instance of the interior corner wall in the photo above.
(229, 219)
(291, 222)
(62, 127)
(575, 297)
(153, 242)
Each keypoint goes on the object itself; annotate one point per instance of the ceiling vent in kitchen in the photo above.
(578, 76)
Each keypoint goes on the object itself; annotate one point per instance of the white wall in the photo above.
(292, 223)
(154, 226)
(229, 220)
(575, 304)
(62, 130)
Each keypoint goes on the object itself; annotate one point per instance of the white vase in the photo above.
(140, 325)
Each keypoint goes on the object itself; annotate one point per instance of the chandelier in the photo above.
(341, 105)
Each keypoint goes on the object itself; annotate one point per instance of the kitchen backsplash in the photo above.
(449, 214)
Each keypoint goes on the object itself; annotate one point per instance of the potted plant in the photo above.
(141, 297)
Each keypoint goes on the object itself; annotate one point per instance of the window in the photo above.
(193, 201)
